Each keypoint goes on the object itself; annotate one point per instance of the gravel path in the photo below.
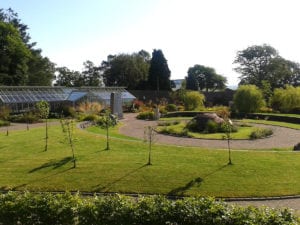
(23, 126)
(281, 138)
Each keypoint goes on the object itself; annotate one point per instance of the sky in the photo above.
(189, 32)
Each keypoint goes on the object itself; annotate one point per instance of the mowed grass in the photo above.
(113, 132)
(24, 165)
(243, 133)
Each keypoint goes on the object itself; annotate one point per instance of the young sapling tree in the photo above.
(43, 110)
(149, 136)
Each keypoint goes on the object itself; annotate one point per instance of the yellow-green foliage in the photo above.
(89, 107)
(248, 99)
(194, 101)
(286, 99)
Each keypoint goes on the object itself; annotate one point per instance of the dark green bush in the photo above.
(296, 147)
(148, 115)
(260, 133)
(4, 123)
(167, 123)
(171, 107)
(25, 118)
(89, 117)
(66, 209)
(211, 127)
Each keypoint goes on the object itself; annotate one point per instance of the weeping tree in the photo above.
(68, 129)
(149, 137)
(108, 120)
(43, 110)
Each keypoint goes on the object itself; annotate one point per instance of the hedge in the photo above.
(272, 117)
(65, 209)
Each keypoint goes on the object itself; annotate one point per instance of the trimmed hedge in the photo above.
(182, 114)
(272, 117)
(66, 209)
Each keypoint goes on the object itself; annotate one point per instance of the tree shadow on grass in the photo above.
(38, 180)
(53, 164)
(105, 188)
(197, 181)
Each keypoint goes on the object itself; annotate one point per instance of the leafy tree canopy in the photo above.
(128, 70)
(262, 63)
(20, 63)
(68, 78)
(248, 99)
(204, 78)
(14, 56)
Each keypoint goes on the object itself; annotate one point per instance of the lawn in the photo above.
(177, 129)
(113, 131)
(24, 165)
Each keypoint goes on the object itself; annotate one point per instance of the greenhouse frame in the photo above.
(23, 98)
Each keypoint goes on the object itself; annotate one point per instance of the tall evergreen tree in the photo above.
(159, 73)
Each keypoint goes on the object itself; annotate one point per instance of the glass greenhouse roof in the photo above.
(29, 94)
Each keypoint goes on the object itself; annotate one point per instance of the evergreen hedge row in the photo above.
(279, 118)
(66, 209)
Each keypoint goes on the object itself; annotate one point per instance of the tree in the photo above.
(204, 78)
(129, 70)
(41, 71)
(286, 99)
(258, 64)
(14, 56)
(159, 73)
(193, 100)
(43, 110)
(149, 136)
(68, 129)
(68, 78)
(248, 99)
(22, 64)
(108, 120)
(91, 74)
(10, 17)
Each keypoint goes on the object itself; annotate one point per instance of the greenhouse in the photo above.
(23, 98)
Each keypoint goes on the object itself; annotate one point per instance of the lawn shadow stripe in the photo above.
(106, 187)
(53, 164)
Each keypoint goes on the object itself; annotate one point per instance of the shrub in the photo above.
(89, 107)
(248, 99)
(4, 123)
(194, 101)
(171, 107)
(211, 127)
(296, 147)
(260, 133)
(4, 112)
(50, 209)
(25, 118)
(286, 99)
(68, 111)
(148, 115)
(90, 117)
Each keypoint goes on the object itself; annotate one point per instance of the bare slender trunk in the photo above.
(46, 146)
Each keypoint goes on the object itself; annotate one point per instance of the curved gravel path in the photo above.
(282, 137)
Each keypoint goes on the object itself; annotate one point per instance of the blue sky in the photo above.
(189, 32)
